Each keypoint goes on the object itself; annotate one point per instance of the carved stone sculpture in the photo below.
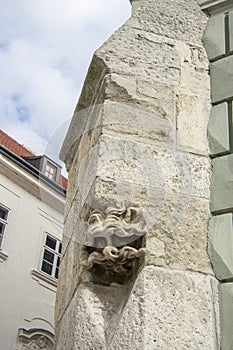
(121, 261)
(115, 227)
(34, 340)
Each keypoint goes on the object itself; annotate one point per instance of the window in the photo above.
(4, 214)
(51, 171)
(51, 256)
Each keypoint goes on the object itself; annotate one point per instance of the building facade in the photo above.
(31, 221)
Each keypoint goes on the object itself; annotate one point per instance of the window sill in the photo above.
(3, 256)
(41, 278)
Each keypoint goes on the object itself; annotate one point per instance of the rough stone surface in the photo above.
(218, 130)
(191, 126)
(177, 305)
(171, 19)
(221, 245)
(92, 317)
(185, 246)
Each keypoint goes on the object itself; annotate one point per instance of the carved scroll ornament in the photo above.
(35, 339)
(115, 225)
(121, 261)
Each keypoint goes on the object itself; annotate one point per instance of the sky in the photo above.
(45, 50)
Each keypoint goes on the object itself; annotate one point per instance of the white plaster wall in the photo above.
(26, 301)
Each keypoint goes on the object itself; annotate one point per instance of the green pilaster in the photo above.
(226, 315)
(218, 40)
(220, 245)
(221, 74)
(218, 130)
(231, 30)
(214, 36)
(222, 184)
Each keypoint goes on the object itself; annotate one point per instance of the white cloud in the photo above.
(45, 49)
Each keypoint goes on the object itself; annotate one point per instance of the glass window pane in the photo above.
(51, 171)
(51, 242)
(2, 228)
(60, 248)
(56, 273)
(48, 256)
(46, 267)
(3, 213)
(1, 238)
(51, 256)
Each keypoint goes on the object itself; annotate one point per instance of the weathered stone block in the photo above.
(221, 184)
(226, 315)
(194, 79)
(192, 120)
(220, 245)
(154, 124)
(157, 165)
(135, 55)
(218, 130)
(179, 235)
(171, 19)
(161, 312)
(162, 304)
(221, 74)
(74, 271)
(214, 36)
(92, 317)
(174, 302)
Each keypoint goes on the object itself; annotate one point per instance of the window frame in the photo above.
(56, 253)
(52, 166)
(5, 222)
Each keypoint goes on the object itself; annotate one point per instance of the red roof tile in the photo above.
(21, 151)
(13, 145)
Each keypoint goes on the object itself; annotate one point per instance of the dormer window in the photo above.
(47, 167)
(51, 171)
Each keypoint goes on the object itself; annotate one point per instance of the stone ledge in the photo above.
(212, 5)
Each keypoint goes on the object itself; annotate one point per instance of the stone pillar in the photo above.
(135, 272)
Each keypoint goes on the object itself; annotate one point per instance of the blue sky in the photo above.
(45, 49)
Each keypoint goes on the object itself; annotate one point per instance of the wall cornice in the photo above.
(215, 5)
(31, 184)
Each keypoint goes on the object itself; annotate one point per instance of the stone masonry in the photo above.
(135, 272)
